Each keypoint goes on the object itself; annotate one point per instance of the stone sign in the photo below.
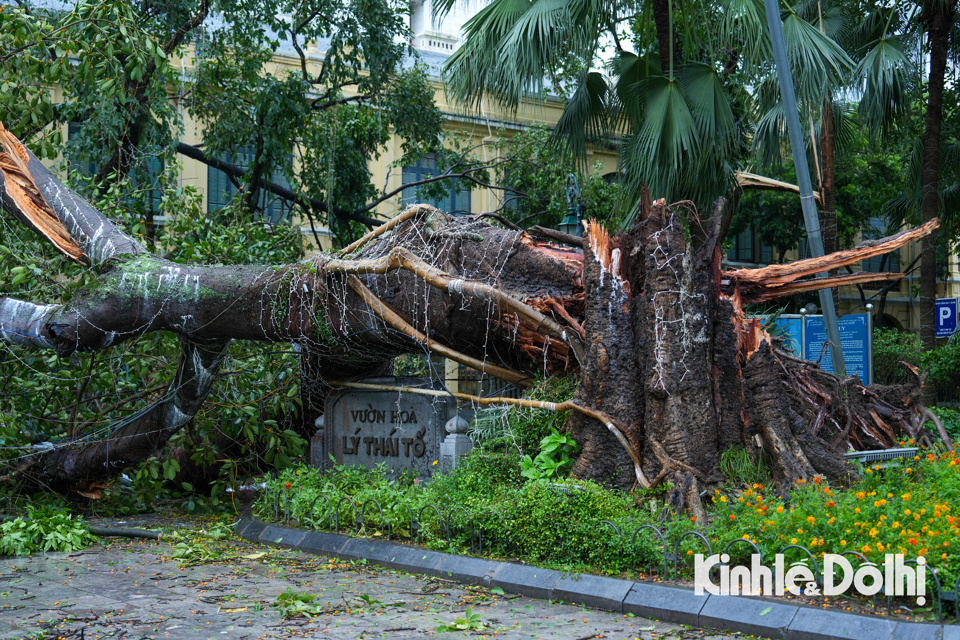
(366, 428)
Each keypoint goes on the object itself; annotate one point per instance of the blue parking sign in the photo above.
(946, 317)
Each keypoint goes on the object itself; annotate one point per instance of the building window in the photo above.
(153, 166)
(877, 228)
(746, 247)
(220, 189)
(426, 168)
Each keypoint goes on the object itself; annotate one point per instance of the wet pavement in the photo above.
(228, 588)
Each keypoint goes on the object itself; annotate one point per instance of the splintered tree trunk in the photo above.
(671, 354)
(672, 372)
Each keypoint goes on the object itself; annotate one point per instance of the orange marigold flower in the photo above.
(780, 509)
(831, 503)
(693, 518)
(912, 541)
(816, 480)
(733, 517)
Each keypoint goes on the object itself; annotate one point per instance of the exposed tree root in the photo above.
(672, 373)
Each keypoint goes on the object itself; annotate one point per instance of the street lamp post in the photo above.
(807, 204)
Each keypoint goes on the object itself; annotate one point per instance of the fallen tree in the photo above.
(672, 372)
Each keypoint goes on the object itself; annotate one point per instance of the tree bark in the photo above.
(672, 372)
(828, 188)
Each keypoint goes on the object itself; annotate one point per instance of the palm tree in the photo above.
(937, 19)
(678, 104)
(894, 54)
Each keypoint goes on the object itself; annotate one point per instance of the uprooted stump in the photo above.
(672, 372)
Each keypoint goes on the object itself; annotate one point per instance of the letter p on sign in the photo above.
(946, 317)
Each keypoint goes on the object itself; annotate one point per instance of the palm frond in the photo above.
(883, 75)
(658, 151)
(629, 70)
(469, 72)
(744, 24)
(844, 125)
(817, 62)
(770, 133)
(586, 114)
(709, 104)
(836, 25)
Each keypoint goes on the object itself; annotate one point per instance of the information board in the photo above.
(855, 339)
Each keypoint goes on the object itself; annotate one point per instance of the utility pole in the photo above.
(807, 203)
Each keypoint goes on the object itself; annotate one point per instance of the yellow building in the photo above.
(483, 128)
(434, 41)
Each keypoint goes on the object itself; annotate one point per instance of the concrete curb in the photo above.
(670, 604)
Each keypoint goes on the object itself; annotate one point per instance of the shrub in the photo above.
(950, 419)
(567, 529)
(526, 428)
(890, 348)
(484, 493)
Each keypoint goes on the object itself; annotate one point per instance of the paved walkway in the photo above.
(136, 589)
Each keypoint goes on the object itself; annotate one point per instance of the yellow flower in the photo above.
(895, 524)
(811, 519)
(780, 509)
(723, 498)
(906, 512)
(435, 462)
(831, 520)
(799, 530)
(857, 510)
(843, 543)
(793, 541)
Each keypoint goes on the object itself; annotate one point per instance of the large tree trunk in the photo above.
(672, 371)
(938, 16)
(828, 188)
